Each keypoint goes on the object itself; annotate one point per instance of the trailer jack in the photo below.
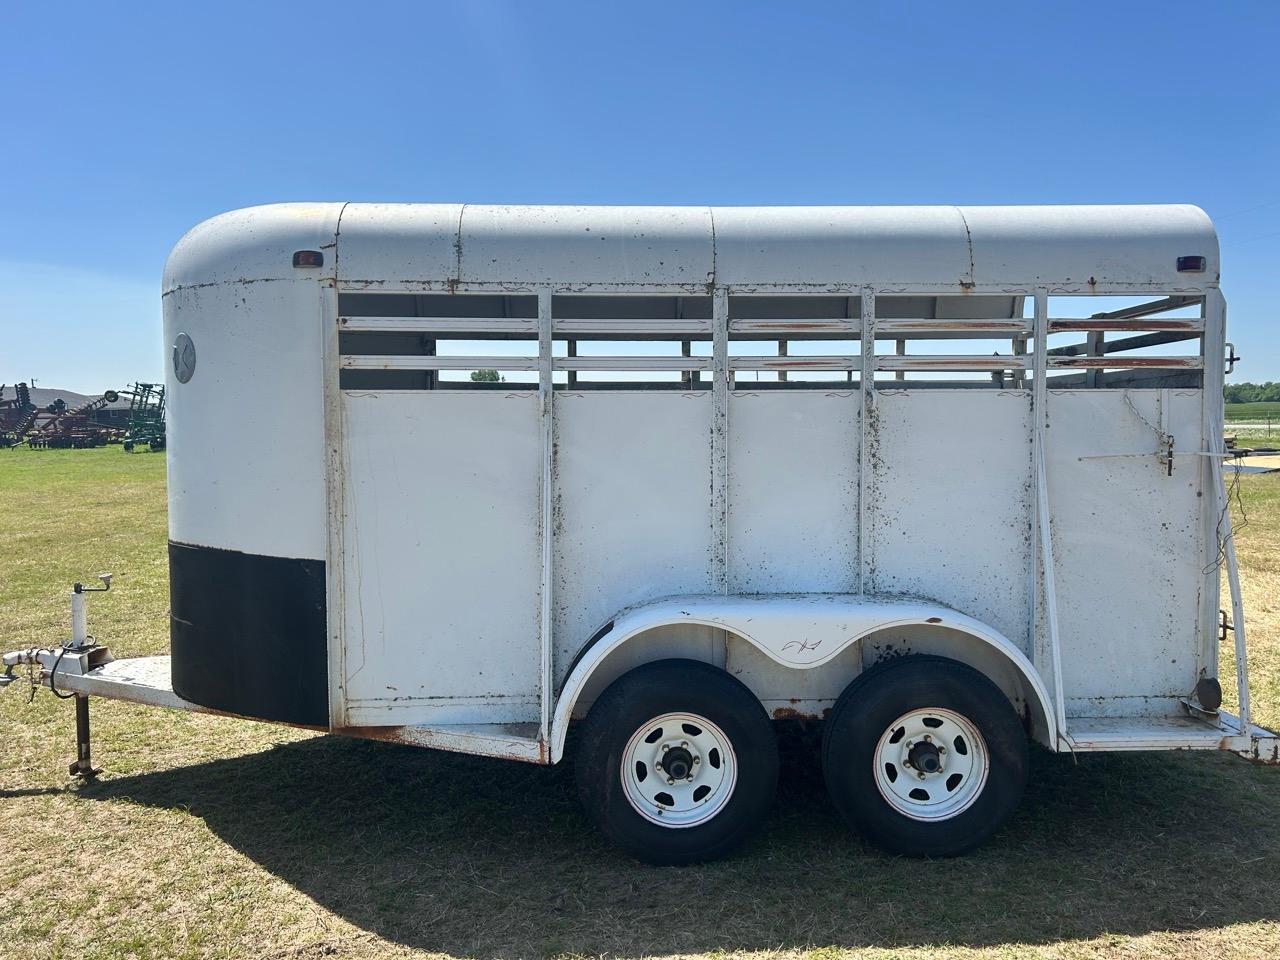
(75, 658)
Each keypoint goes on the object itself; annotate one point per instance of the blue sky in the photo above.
(127, 124)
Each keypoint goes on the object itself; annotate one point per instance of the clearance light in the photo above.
(1185, 264)
(314, 258)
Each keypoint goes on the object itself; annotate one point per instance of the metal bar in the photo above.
(1213, 444)
(1044, 584)
(1096, 346)
(900, 348)
(1172, 363)
(420, 362)
(546, 408)
(526, 325)
(1214, 354)
(1146, 309)
(720, 442)
(1068, 325)
(792, 325)
(782, 369)
(946, 362)
(335, 495)
(888, 329)
(675, 327)
(1146, 340)
(794, 363)
(633, 363)
(866, 425)
(83, 765)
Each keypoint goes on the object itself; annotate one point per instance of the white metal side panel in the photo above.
(1127, 546)
(793, 491)
(246, 433)
(441, 570)
(632, 506)
(950, 501)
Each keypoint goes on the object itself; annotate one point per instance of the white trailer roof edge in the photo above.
(1076, 247)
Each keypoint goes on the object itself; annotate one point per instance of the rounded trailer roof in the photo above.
(388, 246)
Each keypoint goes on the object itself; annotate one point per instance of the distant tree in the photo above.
(487, 376)
(1268, 392)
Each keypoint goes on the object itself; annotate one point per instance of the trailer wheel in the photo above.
(924, 756)
(677, 762)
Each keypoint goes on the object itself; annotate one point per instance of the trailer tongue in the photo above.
(82, 667)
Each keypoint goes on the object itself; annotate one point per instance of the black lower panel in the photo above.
(248, 633)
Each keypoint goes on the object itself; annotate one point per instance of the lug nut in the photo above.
(671, 780)
(920, 774)
(665, 747)
(697, 759)
(685, 744)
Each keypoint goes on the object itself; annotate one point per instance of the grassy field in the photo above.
(210, 837)
(1255, 412)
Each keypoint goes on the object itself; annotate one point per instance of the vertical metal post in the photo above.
(782, 352)
(1218, 527)
(1043, 579)
(83, 765)
(866, 426)
(546, 412)
(79, 619)
(900, 348)
(573, 374)
(335, 497)
(720, 442)
(1212, 342)
(1094, 347)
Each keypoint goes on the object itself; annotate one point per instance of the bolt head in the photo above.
(697, 759)
(685, 744)
(671, 780)
(920, 774)
(928, 739)
(665, 747)
(688, 779)
(909, 744)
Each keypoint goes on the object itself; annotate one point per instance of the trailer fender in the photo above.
(802, 632)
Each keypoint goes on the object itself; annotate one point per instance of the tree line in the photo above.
(1268, 392)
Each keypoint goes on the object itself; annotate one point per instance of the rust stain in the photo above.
(787, 713)
(934, 620)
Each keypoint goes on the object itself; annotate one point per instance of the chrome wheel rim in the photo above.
(931, 764)
(679, 770)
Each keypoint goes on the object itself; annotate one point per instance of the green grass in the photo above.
(1256, 412)
(211, 837)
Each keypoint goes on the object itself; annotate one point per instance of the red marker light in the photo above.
(314, 258)
(1191, 264)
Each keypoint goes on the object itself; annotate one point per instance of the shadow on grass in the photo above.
(468, 856)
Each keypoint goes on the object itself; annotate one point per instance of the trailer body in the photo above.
(444, 473)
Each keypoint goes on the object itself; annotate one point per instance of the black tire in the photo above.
(868, 709)
(632, 702)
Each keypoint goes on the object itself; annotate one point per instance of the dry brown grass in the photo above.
(211, 837)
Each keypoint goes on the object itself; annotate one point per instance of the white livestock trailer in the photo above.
(948, 478)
